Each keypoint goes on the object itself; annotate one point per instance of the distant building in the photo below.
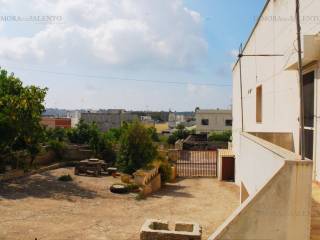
(161, 127)
(172, 120)
(105, 120)
(75, 117)
(209, 120)
(55, 122)
(176, 119)
(147, 121)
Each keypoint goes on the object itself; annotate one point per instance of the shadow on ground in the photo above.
(44, 185)
(172, 190)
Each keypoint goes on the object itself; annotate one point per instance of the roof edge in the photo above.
(252, 31)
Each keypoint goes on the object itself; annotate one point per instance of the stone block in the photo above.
(159, 230)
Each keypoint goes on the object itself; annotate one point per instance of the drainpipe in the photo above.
(302, 141)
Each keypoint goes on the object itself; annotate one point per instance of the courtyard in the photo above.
(42, 207)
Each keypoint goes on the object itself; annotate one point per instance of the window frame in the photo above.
(202, 122)
(259, 104)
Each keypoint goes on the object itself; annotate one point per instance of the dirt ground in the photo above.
(42, 207)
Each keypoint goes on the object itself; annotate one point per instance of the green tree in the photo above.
(153, 133)
(113, 135)
(58, 134)
(180, 133)
(81, 134)
(102, 144)
(20, 112)
(223, 136)
(136, 148)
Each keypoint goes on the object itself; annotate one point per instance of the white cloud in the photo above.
(198, 90)
(136, 33)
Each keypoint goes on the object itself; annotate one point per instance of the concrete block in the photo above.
(159, 230)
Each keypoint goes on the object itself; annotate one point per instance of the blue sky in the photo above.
(137, 55)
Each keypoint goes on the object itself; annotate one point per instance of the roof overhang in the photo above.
(310, 52)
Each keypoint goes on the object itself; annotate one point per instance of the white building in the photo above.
(276, 185)
(75, 117)
(209, 120)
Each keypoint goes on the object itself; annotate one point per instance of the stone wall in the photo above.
(153, 186)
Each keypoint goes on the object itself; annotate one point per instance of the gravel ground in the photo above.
(42, 207)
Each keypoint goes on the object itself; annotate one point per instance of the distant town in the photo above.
(200, 120)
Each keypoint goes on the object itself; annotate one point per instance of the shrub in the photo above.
(57, 147)
(65, 178)
(220, 136)
(153, 133)
(165, 171)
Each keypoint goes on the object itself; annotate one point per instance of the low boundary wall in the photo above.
(281, 208)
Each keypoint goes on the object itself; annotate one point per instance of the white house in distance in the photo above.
(276, 185)
(209, 120)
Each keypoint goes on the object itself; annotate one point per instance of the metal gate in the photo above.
(196, 163)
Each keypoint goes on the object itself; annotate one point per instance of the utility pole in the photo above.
(302, 141)
(241, 94)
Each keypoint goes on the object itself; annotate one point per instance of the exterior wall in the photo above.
(278, 201)
(56, 122)
(161, 127)
(255, 164)
(148, 123)
(280, 89)
(108, 120)
(104, 121)
(216, 119)
(75, 117)
(48, 122)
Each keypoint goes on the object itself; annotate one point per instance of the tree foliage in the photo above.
(223, 136)
(82, 133)
(20, 112)
(136, 148)
(180, 133)
(153, 133)
(57, 134)
(102, 144)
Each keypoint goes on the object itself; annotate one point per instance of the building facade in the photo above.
(55, 122)
(275, 183)
(108, 119)
(209, 120)
(75, 117)
(270, 85)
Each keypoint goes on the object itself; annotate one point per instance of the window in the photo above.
(228, 122)
(205, 122)
(259, 104)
